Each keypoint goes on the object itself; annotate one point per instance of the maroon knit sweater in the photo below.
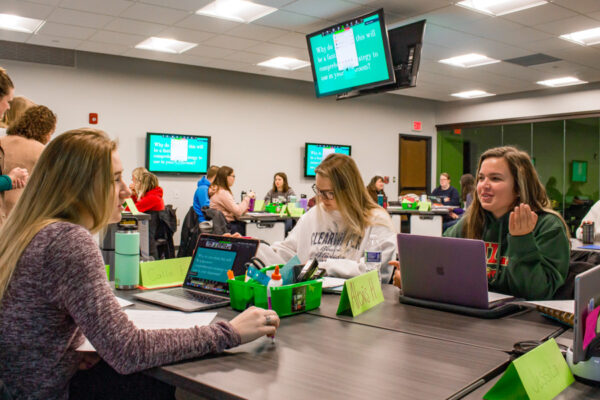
(59, 293)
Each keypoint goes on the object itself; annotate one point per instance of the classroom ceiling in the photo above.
(116, 26)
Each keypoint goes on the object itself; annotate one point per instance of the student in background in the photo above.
(280, 189)
(467, 186)
(526, 241)
(223, 200)
(592, 216)
(337, 230)
(448, 194)
(18, 106)
(201, 197)
(22, 145)
(149, 195)
(7, 89)
(79, 180)
(136, 176)
(375, 187)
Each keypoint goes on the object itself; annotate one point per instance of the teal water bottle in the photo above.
(127, 257)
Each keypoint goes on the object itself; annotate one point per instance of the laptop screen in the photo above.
(214, 256)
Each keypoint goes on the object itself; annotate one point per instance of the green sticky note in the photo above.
(107, 271)
(539, 374)
(259, 205)
(132, 206)
(283, 210)
(169, 272)
(295, 211)
(360, 294)
(425, 206)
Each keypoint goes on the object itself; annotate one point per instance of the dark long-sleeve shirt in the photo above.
(451, 193)
(59, 293)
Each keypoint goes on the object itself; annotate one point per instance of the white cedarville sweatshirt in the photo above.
(319, 234)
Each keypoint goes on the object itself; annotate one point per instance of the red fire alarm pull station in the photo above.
(93, 118)
(417, 125)
(386, 179)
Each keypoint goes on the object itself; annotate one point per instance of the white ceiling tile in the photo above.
(539, 15)
(230, 42)
(292, 21)
(580, 55)
(13, 36)
(521, 35)
(410, 8)
(449, 17)
(186, 35)
(256, 32)
(79, 18)
(105, 48)
(291, 39)
(151, 55)
(159, 15)
(54, 41)
(207, 24)
(209, 51)
(244, 57)
(46, 2)
(25, 9)
(134, 27)
(329, 9)
(110, 7)
(117, 38)
(582, 6)
(275, 50)
(568, 25)
(185, 5)
(274, 3)
(63, 30)
(595, 15)
(547, 46)
(490, 28)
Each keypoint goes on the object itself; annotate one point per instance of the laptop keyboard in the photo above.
(201, 297)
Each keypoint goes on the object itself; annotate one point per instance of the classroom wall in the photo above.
(258, 124)
(580, 98)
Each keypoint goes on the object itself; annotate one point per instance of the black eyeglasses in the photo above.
(326, 194)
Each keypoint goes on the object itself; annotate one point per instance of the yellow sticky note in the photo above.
(132, 206)
(159, 273)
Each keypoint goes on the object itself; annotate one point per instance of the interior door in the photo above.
(414, 164)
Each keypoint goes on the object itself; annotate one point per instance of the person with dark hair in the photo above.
(527, 242)
(18, 105)
(201, 196)
(280, 188)
(7, 89)
(467, 187)
(375, 188)
(37, 122)
(223, 200)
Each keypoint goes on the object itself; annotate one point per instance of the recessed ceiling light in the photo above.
(564, 81)
(235, 10)
(471, 94)
(20, 24)
(500, 7)
(587, 38)
(469, 60)
(284, 63)
(165, 45)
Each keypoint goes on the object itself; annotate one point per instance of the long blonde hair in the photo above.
(18, 106)
(147, 182)
(353, 201)
(528, 188)
(72, 178)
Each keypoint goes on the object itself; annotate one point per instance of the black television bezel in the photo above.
(174, 173)
(386, 46)
(320, 144)
(399, 83)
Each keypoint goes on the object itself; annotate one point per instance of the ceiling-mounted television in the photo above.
(175, 154)
(406, 43)
(315, 153)
(351, 55)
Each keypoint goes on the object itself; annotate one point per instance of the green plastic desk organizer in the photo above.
(410, 206)
(244, 294)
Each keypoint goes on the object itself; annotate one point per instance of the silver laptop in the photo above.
(587, 297)
(446, 270)
(205, 285)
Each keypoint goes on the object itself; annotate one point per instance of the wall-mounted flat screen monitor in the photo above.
(351, 55)
(175, 154)
(316, 152)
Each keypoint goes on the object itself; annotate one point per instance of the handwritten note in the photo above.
(164, 272)
(360, 294)
(538, 375)
(132, 206)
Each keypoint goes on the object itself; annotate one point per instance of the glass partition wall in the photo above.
(565, 154)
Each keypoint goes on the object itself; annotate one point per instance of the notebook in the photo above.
(447, 271)
(205, 285)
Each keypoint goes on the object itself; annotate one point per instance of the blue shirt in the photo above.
(201, 198)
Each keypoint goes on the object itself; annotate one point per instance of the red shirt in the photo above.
(152, 200)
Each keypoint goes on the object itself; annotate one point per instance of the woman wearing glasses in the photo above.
(336, 231)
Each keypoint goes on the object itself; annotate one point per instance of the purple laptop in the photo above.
(444, 270)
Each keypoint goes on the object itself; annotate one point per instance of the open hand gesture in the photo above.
(522, 220)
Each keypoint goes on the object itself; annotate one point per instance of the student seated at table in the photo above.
(467, 187)
(592, 216)
(136, 177)
(280, 189)
(53, 288)
(201, 196)
(149, 196)
(447, 193)
(375, 187)
(223, 201)
(527, 244)
(337, 230)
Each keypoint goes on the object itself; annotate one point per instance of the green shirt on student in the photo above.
(531, 266)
